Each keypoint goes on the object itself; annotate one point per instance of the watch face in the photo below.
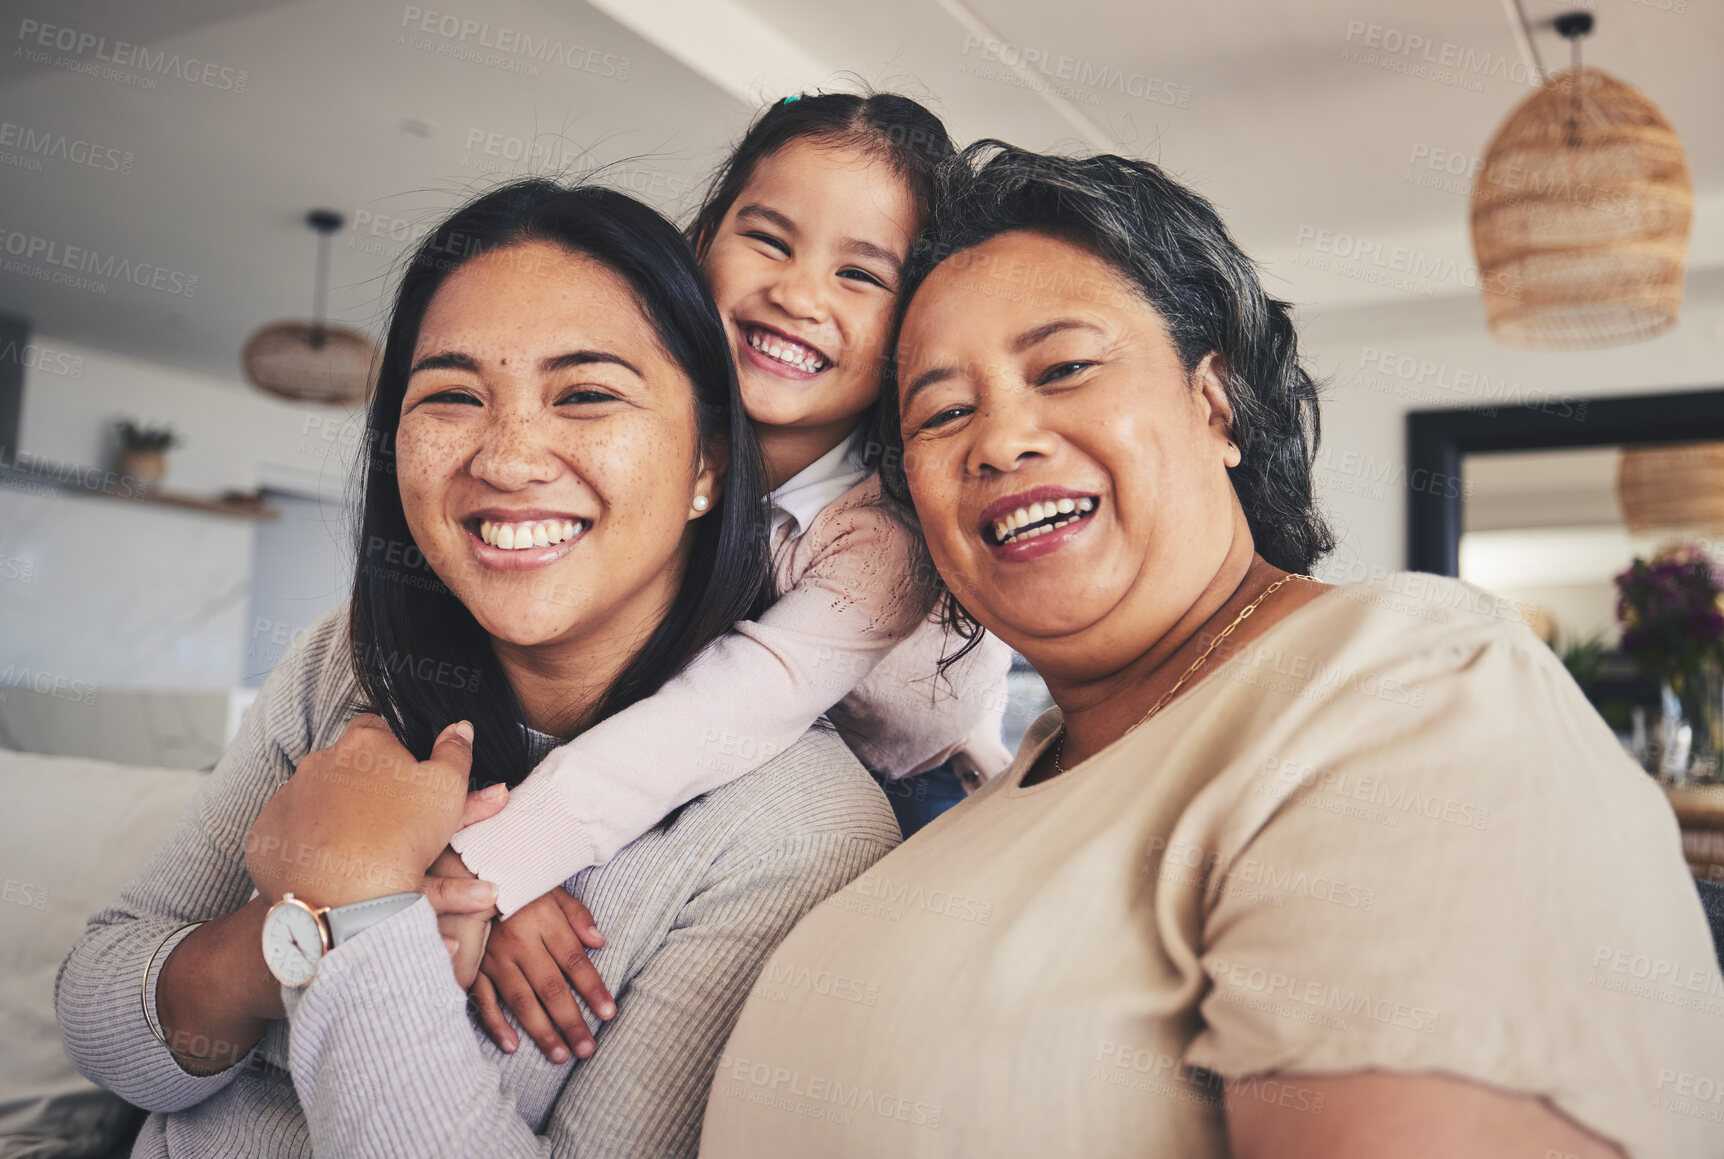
(292, 942)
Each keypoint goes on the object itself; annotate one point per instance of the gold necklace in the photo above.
(1060, 748)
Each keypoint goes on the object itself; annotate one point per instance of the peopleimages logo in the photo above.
(59, 147)
(66, 260)
(1416, 54)
(79, 44)
(1352, 255)
(498, 46)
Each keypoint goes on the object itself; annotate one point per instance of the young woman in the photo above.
(554, 362)
(803, 239)
(1291, 870)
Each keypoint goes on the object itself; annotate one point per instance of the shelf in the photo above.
(69, 479)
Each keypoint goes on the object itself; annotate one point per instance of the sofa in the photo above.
(73, 831)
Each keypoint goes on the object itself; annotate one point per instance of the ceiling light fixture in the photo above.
(313, 361)
(1581, 212)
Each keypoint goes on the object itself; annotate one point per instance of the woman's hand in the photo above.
(526, 961)
(361, 819)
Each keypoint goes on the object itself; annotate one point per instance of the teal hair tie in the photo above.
(787, 100)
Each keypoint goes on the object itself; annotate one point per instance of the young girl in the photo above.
(802, 238)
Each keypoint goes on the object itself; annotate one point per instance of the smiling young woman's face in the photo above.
(804, 268)
(548, 455)
(1069, 474)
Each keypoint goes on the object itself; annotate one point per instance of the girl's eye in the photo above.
(1061, 370)
(857, 275)
(768, 239)
(587, 395)
(453, 395)
(950, 415)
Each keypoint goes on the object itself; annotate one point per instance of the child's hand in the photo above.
(526, 961)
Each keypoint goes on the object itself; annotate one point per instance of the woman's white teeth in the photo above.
(1014, 525)
(788, 353)
(543, 533)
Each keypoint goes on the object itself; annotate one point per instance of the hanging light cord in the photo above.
(320, 292)
(325, 222)
(1574, 27)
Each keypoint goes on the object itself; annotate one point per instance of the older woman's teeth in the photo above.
(788, 353)
(543, 533)
(1040, 518)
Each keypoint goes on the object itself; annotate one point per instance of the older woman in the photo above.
(1291, 870)
(556, 376)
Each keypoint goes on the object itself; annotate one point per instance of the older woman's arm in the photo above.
(385, 1059)
(1437, 960)
(1378, 1116)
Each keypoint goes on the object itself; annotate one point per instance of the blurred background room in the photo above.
(1510, 275)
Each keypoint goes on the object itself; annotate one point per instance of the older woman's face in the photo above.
(548, 455)
(1070, 476)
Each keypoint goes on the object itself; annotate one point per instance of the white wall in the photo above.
(119, 594)
(232, 435)
(1362, 475)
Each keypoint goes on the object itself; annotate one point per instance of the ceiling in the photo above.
(1297, 119)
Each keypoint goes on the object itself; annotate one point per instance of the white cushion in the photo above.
(72, 833)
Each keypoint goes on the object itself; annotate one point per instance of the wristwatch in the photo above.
(297, 935)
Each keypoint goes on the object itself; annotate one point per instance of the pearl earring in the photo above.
(701, 502)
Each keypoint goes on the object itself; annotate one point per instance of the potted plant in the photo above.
(143, 452)
(1671, 608)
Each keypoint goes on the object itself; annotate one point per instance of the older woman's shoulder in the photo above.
(1410, 610)
(1430, 657)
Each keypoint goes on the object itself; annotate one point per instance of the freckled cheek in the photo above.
(426, 461)
(638, 474)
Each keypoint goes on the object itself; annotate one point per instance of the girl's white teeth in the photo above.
(805, 360)
(1011, 526)
(543, 533)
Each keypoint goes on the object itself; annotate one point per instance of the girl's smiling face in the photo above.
(805, 270)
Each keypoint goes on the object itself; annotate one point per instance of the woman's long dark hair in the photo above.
(421, 659)
(1168, 243)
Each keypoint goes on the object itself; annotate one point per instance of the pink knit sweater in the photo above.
(848, 638)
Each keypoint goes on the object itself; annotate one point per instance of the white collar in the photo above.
(803, 496)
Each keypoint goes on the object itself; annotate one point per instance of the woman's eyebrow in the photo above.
(455, 360)
(444, 360)
(587, 358)
(1047, 330)
(924, 380)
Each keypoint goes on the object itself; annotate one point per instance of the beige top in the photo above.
(1389, 833)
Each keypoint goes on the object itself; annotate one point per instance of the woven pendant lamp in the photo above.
(313, 361)
(1580, 214)
(1675, 487)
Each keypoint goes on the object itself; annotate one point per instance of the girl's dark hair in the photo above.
(420, 657)
(903, 133)
(1170, 244)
